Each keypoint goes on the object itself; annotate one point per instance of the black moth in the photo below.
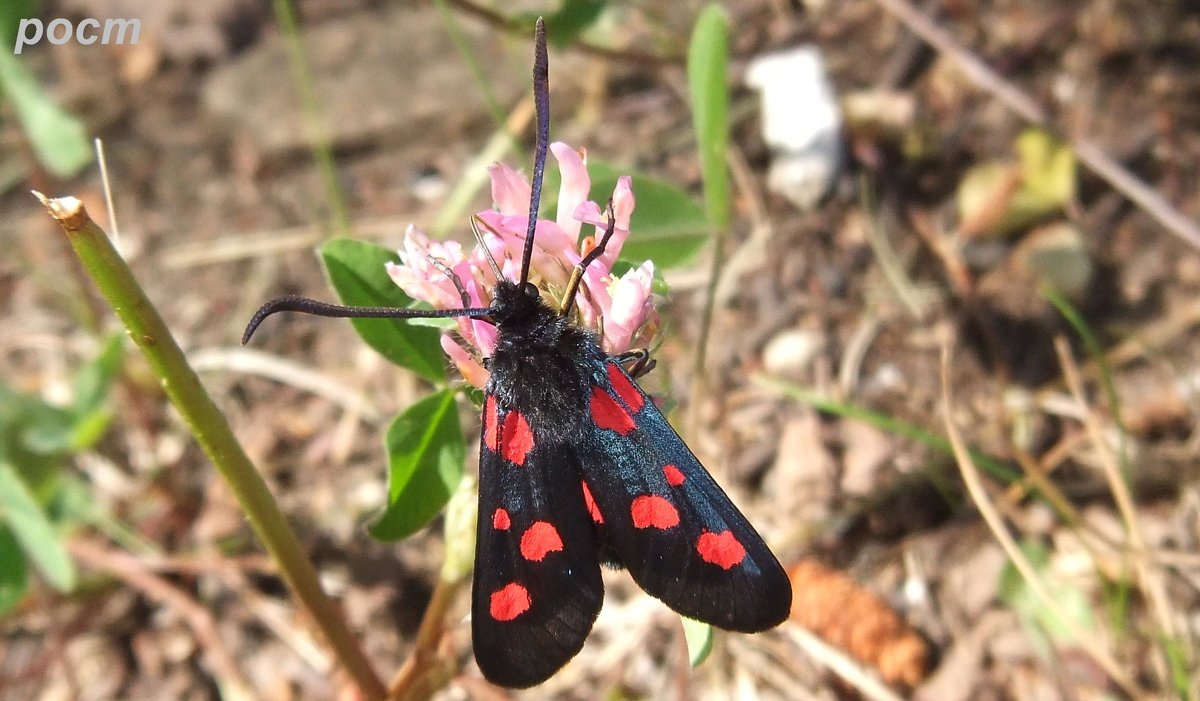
(578, 468)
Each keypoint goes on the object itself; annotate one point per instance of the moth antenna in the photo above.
(541, 101)
(487, 252)
(305, 305)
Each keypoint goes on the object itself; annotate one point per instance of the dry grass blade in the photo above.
(270, 242)
(102, 162)
(753, 253)
(1152, 582)
(991, 516)
(840, 664)
(246, 361)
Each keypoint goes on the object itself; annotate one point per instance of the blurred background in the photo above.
(1025, 189)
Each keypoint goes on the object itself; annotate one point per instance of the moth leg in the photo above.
(568, 300)
(642, 363)
(458, 283)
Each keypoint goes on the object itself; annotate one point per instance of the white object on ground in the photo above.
(801, 123)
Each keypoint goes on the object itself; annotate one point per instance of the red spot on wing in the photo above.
(653, 512)
(517, 439)
(540, 539)
(591, 503)
(508, 602)
(491, 424)
(608, 414)
(721, 549)
(500, 520)
(674, 475)
(624, 388)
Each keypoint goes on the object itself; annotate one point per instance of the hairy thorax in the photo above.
(548, 372)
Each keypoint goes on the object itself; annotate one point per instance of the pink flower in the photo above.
(421, 279)
(631, 308)
(470, 367)
(620, 311)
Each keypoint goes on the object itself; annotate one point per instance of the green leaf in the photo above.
(1048, 168)
(426, 450)
(707, 66)
(34, 437)
(34, 531)
(14, 578)
(1043, 622)
(92, 384)
(698, 636)
(47, 438)
(668, 226)
(58, 138)
(572, 18)
(357, 273)
(88, 429)
(11, 14)
(93, 380)
(997, 198)
(41, 428)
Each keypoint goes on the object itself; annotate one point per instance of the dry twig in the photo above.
(140, 576)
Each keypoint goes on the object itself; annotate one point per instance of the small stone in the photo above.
(790, 353)
(801, 123)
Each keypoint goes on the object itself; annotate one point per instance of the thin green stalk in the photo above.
(116, 283)
(501, 143)
(468, 56)
(426, 672)
(883, 422)
(339, 219)
(1092, 344)
(708, 64)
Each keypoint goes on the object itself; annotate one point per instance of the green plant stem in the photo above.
(424, 672)
(1094, 349)
(147, 329)
(339, 219)
(708, 59)
(463, 46)
(883, 422)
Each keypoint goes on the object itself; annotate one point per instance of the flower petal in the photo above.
(419, 278)
(554, 253)
(623, 203)
(623, 308)
(576, 184)
(631, 302)
(510, 189)
(474, 373)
